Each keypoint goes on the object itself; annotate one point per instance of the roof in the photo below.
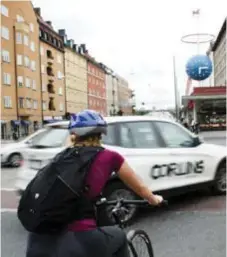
(220, 35)
(113, 119)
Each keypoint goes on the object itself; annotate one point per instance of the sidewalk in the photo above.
(213, 134)
(3, 142)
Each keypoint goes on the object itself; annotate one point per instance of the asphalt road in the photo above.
(193, 225)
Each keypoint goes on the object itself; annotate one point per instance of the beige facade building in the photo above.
(75, 76)
(52, 71)
(20, 69)
(124, 96)
(220, 57)
(112, 94)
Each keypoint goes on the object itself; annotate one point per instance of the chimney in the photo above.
(38, 11)
(63, 35)
(61, 32)
(49, 23)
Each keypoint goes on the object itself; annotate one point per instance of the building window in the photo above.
(31, 25)
(42, 69)
(33, 68)
(5, 33)
(49, 54)
(19, 59)
(20, 81)
(44, 88)
(50, 71)
(59, 58)
(26, 40)
(7, 102)
(32, 46)
(44, 106)
(27, 82)
(61, 107)
(28, 103)
(60, 91)
(26, 62)
(18, 38)
(6, 78)
(33, 84)
(20, 18)
(4, 11)
(41, 50)
(35, 104)
(21, 102)
(5, 56)
(60, 75)
(51, 104)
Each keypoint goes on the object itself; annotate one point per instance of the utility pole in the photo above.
(175, 89)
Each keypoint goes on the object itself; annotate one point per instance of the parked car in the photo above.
(11, 152)
(167, 156)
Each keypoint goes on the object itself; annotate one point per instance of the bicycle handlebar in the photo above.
(122, 202)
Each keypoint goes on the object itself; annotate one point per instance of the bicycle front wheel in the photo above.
(139, 244)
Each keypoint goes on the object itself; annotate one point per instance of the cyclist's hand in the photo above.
(155, 200)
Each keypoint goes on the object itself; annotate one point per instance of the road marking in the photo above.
(8, 189)
(8, 210)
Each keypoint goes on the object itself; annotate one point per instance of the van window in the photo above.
(50, 138)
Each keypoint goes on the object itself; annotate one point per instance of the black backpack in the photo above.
(49, 203)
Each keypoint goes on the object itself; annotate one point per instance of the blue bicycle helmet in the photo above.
(87, 122)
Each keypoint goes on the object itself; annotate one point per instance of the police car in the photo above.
(169, 158)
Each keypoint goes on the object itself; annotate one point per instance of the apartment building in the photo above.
(52, 71)
(20, 81)
(111, 93)
(96, 86)
(220, 57)
(75, 75)
(124, 96)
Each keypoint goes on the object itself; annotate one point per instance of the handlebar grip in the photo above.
(164, 203)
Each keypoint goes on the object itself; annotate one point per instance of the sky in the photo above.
(138, 38)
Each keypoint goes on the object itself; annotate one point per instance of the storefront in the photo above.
(207, 106)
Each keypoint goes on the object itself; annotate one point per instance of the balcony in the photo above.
(50, 88)
(50, 55)
(22, 26)
(50, 71)
(51, 105)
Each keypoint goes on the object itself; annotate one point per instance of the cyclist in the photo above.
(84, 237)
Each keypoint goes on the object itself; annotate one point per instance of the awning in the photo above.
(15, 122)
(25, 122)
(186, 99)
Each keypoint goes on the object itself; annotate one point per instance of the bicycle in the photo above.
(118, 211)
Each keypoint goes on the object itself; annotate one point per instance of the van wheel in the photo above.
(219, 186)
(15, 160)
(114, 191)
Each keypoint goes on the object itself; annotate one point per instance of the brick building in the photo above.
(96, 86)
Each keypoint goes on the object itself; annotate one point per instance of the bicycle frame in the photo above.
(116, 212)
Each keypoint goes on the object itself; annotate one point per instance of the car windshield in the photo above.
(50, 138)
